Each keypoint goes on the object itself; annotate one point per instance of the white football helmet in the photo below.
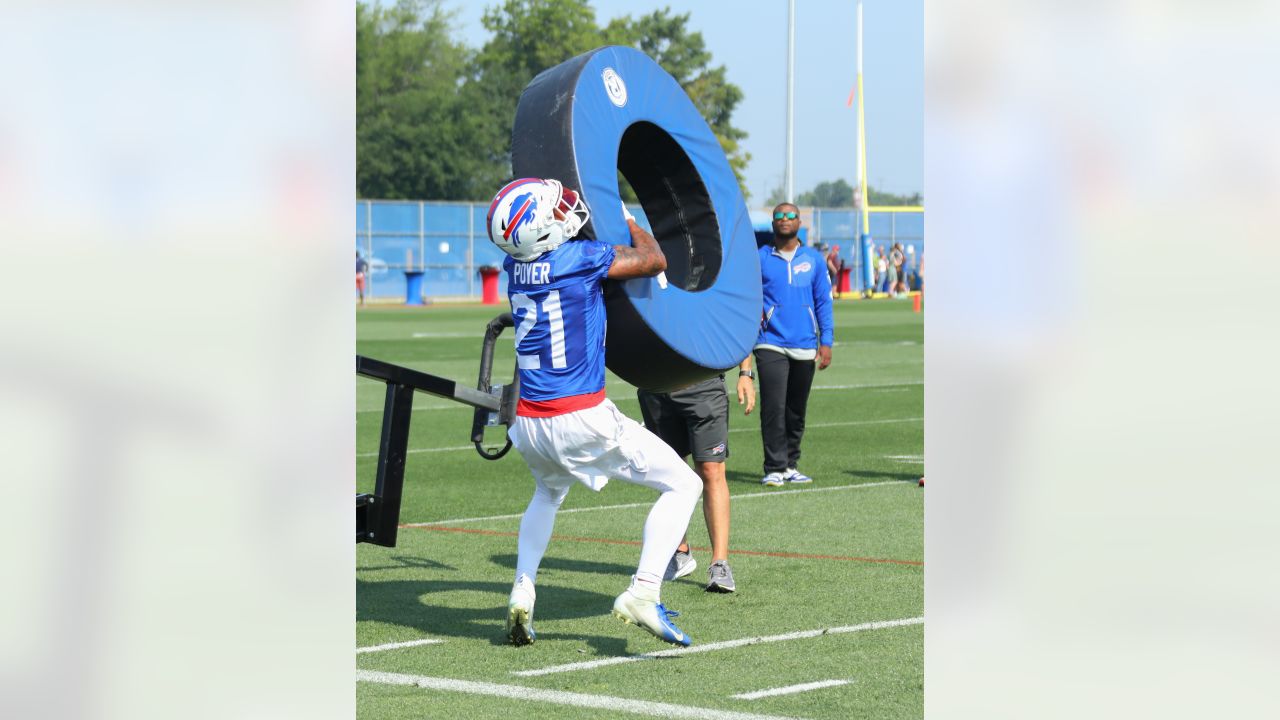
(531, 216)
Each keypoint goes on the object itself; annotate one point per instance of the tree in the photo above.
(529, 36)
(828, 194)
(665, 37)
(411, 128)
(879, 198)
(838, 194)
(434, 119)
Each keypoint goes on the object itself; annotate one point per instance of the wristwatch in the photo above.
(749, 373)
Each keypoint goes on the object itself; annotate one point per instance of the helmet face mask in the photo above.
(532, 216)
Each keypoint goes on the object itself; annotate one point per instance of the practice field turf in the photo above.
(827, 621)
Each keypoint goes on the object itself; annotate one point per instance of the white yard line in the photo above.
(866, 385)
(914, 459)
(771, 493)
(519, 515)
(631, 396)
(397, 645)
(451, 335)
(732, 430)
(559, 697)
(424, 450)
(603, 662)
(875, 342)
(423, 408)
(864, 422)
(842, 424)
(790, 689)
(765, 493)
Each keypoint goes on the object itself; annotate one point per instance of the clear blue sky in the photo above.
(750, 39)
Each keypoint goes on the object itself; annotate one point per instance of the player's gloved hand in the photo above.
(626, 214)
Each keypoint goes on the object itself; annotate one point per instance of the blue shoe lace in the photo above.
(675, 634)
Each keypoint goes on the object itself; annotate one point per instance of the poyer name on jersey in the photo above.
(532, 273)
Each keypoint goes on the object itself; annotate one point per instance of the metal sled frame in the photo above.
(378, 514)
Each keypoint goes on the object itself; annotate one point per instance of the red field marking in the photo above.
(807, 556)
(611, 541)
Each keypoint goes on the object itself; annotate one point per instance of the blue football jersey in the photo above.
(558, 305)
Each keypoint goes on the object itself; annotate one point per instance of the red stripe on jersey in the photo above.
(558, 406)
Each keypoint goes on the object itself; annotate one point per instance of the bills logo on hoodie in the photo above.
(802, 266)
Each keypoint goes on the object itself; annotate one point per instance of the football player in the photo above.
(565, 428)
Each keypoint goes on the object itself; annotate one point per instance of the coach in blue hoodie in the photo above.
(795, 337)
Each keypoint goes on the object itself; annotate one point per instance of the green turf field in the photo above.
(816, 566)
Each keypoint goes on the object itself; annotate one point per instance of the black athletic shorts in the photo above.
(692, 420)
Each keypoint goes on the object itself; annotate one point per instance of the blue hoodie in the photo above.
(797, 299)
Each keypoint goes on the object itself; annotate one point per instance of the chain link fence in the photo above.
(447, 243)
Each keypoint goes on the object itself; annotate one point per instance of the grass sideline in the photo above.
(829, 556)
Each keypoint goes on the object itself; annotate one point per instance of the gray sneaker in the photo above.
(682, 563)
(721, 578)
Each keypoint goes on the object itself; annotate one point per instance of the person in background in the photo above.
(882, 270)
(695, 421)
(362, 270)
(834, 265)
(895, 270)
(796, 333)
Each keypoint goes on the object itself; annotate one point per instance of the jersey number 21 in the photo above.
(551, 307)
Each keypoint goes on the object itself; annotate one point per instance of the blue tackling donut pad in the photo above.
(614, 109)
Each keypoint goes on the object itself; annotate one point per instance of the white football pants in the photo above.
(591, 446)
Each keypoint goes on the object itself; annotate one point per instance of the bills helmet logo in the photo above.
(523, 210)
(529, 217)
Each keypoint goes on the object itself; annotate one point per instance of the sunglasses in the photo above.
(785, 216)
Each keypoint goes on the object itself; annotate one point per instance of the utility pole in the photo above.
(789, 181)
(860, 195)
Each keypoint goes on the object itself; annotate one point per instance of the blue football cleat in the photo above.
(651, 616)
